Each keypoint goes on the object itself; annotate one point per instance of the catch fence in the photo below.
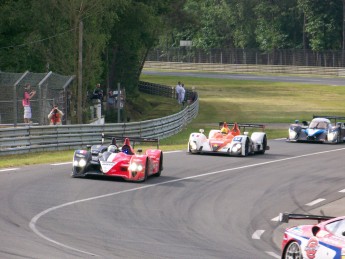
(51, 89)
(285, 57)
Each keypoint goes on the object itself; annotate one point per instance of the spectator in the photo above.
(182, 95)
(97, 93)
(55, 116)
(28, 94)
(178, 91)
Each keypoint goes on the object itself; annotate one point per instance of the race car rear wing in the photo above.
(285, 217)
(245, 125)
(134, 140)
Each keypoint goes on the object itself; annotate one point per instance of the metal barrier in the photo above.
(243, 68)
(45, 138)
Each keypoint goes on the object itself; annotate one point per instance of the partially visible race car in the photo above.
(319, 130)
(229, 142)
(324, 240)
(119, 161)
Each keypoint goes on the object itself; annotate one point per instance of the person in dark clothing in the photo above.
(97, 93)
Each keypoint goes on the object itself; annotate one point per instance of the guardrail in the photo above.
(243, 68)
(16, 140)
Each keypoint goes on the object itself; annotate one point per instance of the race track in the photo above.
(201, 207)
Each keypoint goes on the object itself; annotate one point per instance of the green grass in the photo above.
(222, 100)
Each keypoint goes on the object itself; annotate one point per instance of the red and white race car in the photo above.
(228, 141)
(119, 161)
(324, 240)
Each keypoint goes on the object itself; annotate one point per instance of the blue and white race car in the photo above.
(319, 130)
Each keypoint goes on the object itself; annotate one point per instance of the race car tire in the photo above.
(293, 250)
(160, 166)
(340, 137)
(190, 151)
(246, 148)
(76, 174)
(264, 145)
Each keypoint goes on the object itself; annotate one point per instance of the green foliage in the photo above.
(323, 23)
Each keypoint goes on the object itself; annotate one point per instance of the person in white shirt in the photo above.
(182, 94)
(178, 91)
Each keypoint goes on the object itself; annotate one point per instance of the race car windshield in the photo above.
(318, 125)
(337, 228)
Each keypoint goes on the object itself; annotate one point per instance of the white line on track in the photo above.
(275, 219)
(8, 169)
(34, 220)
(343, 190)
(315, 202)
(66, 163)
(273, 254)
(257, 234)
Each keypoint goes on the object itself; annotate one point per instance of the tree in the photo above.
(323, 23)
(279, 25)
(132, 38)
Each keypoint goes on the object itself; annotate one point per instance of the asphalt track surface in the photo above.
(274, 78)
(202, 206)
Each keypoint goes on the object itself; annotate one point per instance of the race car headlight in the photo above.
(79, 163)
(236, 148)
(134, 167)
(292, 134)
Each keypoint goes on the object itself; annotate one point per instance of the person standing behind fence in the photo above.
(178, 91)
(97, 93)
(182, 95)
(55, 116)
(28, 94)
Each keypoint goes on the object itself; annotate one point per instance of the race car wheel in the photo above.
(292, 251)
(77, 172)
(190, 151)
(264, 145)
(160, 166)
(246, 148)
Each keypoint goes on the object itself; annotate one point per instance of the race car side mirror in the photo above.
(201, 130)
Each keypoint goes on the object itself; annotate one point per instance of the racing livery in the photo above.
(112, 160)
(229, 142)
(319, 130)
(324, 240)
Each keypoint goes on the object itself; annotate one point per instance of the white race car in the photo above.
(229, 142)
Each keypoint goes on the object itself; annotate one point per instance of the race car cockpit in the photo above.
(126, 148)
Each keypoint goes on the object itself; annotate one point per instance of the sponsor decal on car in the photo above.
(106, 166)
(237, 139)
(312, 247)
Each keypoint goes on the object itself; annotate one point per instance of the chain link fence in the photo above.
(51, 89)
(287, 57)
